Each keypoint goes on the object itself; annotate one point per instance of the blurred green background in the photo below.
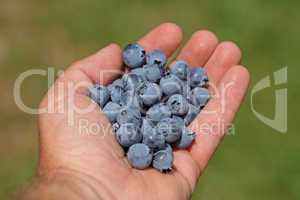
(255, 163)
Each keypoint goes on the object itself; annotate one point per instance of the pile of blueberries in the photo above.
(150, 107)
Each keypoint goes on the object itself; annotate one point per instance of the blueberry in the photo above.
(128, 134)
(165, 147)
(149, 93)
(132, 99)
(158, 112)
(134, 55)
(118, 82)
(180, 69)
(112, 110)
(130, 114)
(139, 156)
(179, 120)
(147, 126)
(163, 161)
(178, 104)
(199, 96)
(139, 72)
(156, 57)
(170, 128)
(131, 81)
(187, 138)
(117, 94)
(152, 73)
(198, 77)
(170, 84)
(99, 94)
(151, 137)
(191, 115)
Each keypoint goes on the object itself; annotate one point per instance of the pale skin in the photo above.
(94, 166)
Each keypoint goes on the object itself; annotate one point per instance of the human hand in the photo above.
(97, 162)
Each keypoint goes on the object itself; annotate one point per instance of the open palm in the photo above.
(99, 161)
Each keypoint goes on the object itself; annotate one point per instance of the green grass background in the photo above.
(255, 163)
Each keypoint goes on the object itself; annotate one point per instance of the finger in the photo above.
(105, 65)
(82, 74)
(166, 37)
(226, 55)
(199, 48)
(101, 67)
(218, 114)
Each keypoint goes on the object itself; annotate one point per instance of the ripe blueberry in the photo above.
(180, 69)
(156, 57)
(191, 115)
(112, 110)
(131, 81)
(163, 161)
(139, 156)
(139, 72)
(151, 137)
(198, 77)
(130, 114)
(170, 128)
(199, 96)
(99, 94)
(178, 104)
(158, 112)
(170, 84)
(134, 55)
(152, 73)
(117, 94)
(187, 138)
(149, 93)
(128, 134)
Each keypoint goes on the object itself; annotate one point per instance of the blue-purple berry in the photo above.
(199, 96)
(139, 156)
(187, 138)
(132, 99)
(163, 161)
(156, 57)
(180, 69)
(170, 84)
(134, 55)
(198, 77)
(131, 81)
(170, 128)
(191, 114)
(130, 114)
(99, 94)
(149, 93)
(128, 134)
(117, 94)
(158, 112)
(178, 104)
(151, 137)
(152, 73)
(165, 147)
(112, 110)
(139, 72)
